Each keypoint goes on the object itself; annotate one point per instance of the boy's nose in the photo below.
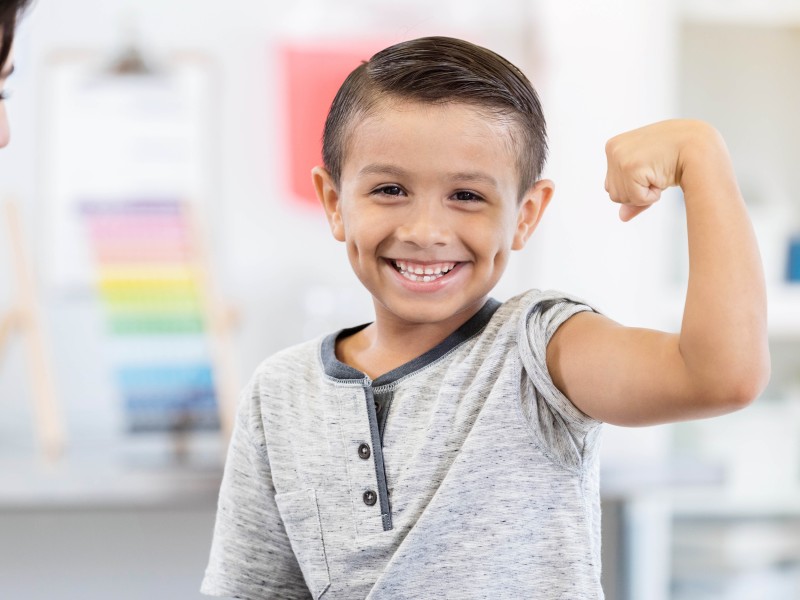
(425, 226)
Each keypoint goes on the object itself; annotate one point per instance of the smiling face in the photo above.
(428, 208)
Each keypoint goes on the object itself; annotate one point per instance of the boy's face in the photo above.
(428, 208)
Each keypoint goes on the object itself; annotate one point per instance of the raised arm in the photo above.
(720, 360)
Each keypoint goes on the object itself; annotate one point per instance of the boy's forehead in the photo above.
(452, 141)
(398, 121)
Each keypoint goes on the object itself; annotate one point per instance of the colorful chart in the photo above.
(148, 285)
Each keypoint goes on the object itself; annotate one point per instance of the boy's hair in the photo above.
(9, 12)
(440, 70)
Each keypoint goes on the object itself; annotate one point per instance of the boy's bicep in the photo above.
(621, 375)
(251, 556)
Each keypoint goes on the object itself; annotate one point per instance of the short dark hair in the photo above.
(10, 10)
(440, 70)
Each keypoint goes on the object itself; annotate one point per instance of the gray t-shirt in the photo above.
(479, 480)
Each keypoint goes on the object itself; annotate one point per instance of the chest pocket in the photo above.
(300, 515)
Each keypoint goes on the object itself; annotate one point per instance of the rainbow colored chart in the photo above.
(150, 292)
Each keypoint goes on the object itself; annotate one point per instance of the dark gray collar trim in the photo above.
(338, 370)
(333, 367)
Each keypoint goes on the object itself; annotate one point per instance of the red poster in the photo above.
(313, 75)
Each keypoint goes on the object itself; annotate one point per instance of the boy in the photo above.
(449, 448)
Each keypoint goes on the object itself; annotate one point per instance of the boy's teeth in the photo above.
(424, 273)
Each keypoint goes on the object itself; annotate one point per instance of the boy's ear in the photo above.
(328, 195)
(531, 210)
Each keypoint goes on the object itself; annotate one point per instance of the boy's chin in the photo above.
(428, 312)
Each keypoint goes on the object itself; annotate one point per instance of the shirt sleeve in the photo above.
(568, 435)
(251, 557)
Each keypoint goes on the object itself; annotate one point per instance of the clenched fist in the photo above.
(645, 161)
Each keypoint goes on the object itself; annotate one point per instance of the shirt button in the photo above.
(370, 498)
(363, 451)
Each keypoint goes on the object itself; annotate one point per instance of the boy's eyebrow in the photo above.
(7, 73)
(474, 176)
(382, 169)
(467, 176)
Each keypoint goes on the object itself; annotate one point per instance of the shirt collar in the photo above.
(338, 370)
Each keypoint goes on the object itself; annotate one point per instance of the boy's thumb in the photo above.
(627, 211)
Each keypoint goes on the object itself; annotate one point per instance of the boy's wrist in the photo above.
(703, 157)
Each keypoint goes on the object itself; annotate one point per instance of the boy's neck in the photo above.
(389, 342)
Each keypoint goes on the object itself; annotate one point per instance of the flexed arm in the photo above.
(720, 359)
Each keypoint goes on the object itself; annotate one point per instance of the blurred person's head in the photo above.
(440, 71)
(10, 10)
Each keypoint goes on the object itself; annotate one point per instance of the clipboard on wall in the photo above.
(123, 128)
(129, 172)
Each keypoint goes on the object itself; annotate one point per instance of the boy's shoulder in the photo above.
(520, 308)
(526, 322)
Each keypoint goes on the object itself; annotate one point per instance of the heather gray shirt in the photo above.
(462, 474)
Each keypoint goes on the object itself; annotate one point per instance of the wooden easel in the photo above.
(25, 317)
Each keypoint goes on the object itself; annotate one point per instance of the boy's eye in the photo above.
(465, 196)
(389, 190)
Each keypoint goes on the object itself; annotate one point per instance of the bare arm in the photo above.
(720, 360)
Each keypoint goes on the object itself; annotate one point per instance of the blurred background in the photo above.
(158, 241)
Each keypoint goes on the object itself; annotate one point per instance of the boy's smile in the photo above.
(428, 209)
(415, 271)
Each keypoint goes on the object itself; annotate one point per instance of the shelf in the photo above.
(783, 311)
(99, 482)
(718, 505)
(621, 483)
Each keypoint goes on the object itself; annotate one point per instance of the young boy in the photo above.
(449, 448)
